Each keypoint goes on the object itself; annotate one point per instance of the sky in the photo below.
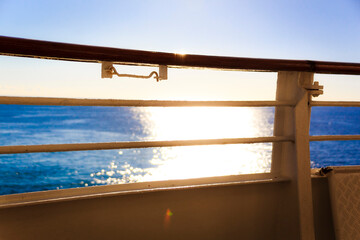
(327, 30)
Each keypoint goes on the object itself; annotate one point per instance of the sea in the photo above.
(33, 125)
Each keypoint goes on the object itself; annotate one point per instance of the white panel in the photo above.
(344, 186)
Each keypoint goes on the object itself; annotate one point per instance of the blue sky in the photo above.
(308, 29)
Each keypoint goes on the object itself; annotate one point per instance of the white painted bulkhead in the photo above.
(237, 210)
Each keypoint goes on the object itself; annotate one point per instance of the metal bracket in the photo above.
(163, 72)
(108, 70)
(315, 90)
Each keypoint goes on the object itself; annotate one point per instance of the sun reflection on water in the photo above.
(196, 161)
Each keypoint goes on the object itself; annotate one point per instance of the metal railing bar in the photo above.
(140, 144)
(334, 137)
(335, 104)
(136, 103)
(10, 46)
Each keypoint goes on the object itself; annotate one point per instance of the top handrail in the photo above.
(11, 46)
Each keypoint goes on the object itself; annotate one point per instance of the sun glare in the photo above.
(180, 52)
(203, 123)
(196, 123)
(196, 161)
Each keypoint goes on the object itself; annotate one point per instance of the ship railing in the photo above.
(295, 87)
(136, 103)
(334, 104)
(157, 103)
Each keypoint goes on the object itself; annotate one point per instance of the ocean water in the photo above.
(27, 125)
(335, 121)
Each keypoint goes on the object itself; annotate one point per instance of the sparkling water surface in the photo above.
(25, 125)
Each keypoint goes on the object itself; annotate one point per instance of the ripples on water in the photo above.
(22, 125)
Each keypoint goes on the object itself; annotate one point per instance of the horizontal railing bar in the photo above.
(136, 103)
(334, 104)
(129, 145)
(10, 46)
(334, 138)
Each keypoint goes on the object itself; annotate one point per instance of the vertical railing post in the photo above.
(292, 160)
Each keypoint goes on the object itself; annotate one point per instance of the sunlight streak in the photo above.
(197, 161)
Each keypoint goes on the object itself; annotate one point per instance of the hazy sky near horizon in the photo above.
(326, 30)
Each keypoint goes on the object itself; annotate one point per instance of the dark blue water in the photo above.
(27, 125)
(335, 121)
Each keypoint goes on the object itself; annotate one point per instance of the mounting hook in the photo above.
(108, 70)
